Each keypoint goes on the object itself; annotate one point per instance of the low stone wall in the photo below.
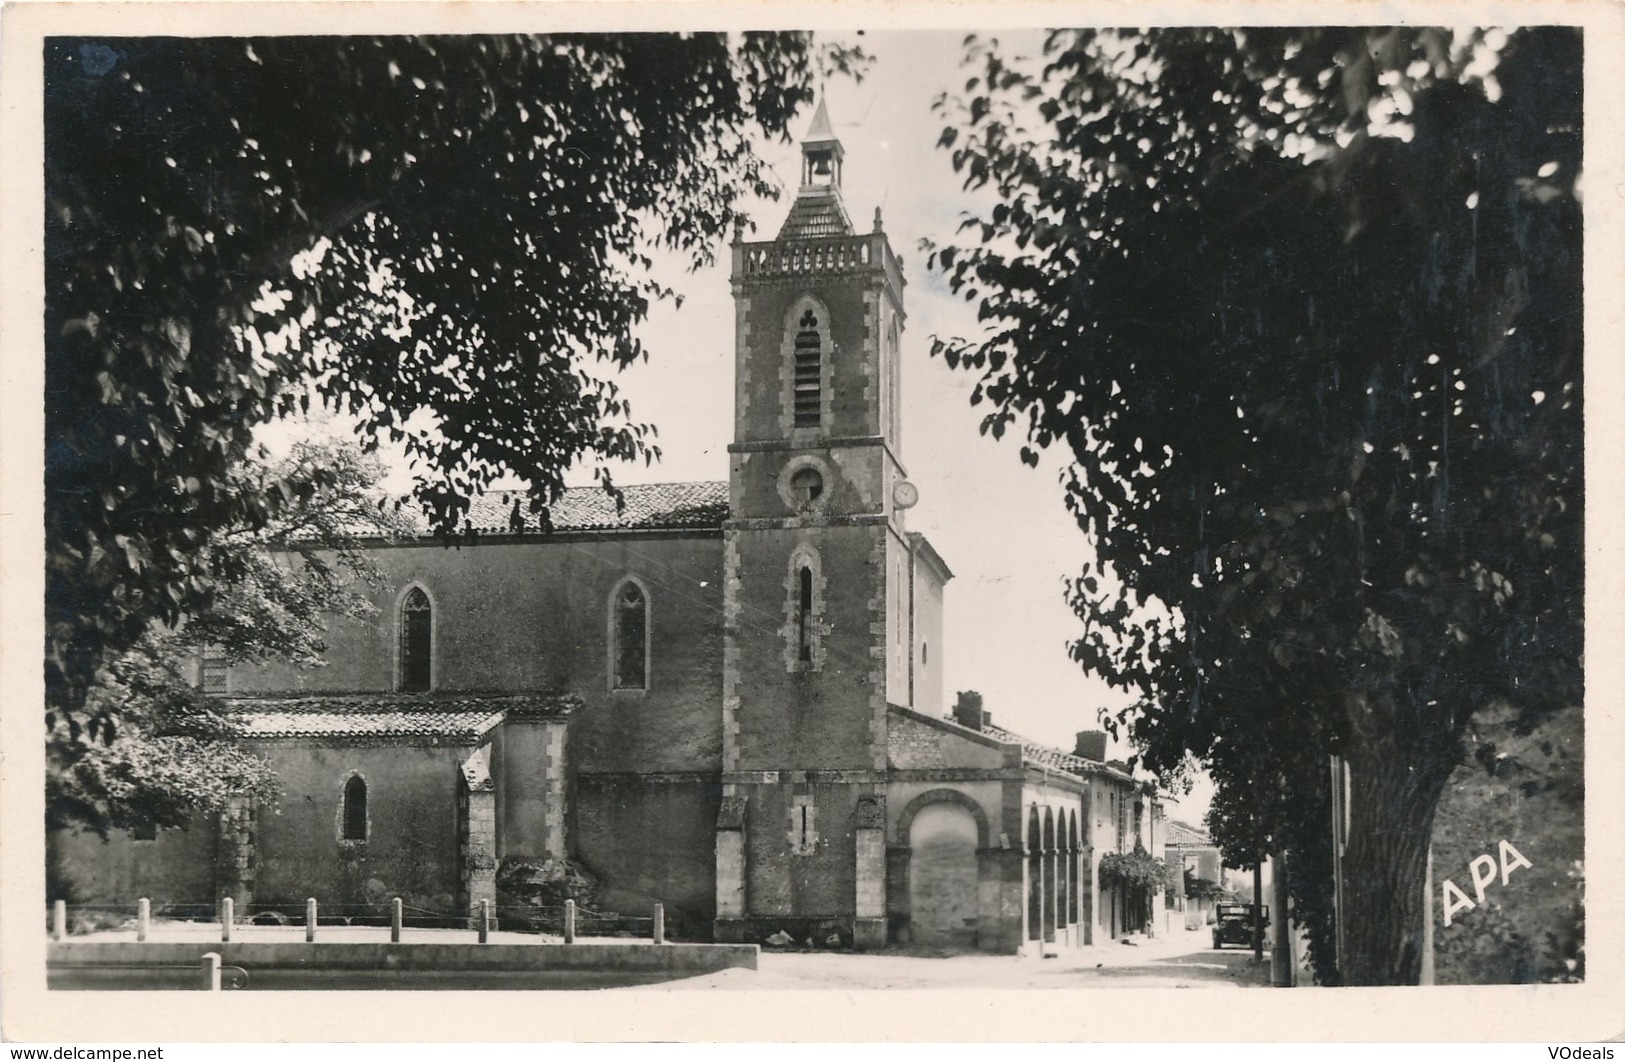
(412, 961)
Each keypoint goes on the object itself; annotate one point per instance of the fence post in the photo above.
(59, 919)
(485, 921)
(310, 920)
(143, 918)
(660, 923)
(569, 921)
(395, 920)
(210, 969)
(227, 917)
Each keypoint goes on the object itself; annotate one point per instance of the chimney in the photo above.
(968, 710)
(1091, 745)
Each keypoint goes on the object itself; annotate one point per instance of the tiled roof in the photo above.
(1036, 755)
(1177, 833)
(652, 506)
(456, 717)
(1053, 758)
(816, 214)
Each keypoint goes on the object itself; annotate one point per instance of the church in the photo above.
(723, 697)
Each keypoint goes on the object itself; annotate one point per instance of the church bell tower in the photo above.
(815, 594)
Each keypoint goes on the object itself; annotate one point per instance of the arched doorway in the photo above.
(942, 889)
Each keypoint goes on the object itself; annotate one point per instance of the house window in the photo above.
(803, 826)
(212, 669)
(629, 624)
(1122, 824)
(809, 372)
(416, 624)
(353, 824)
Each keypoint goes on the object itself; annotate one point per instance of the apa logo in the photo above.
(1483, 871)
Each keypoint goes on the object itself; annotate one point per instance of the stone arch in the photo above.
(943, 875)
(1064, 872)
(905, 821)
(1074, 856)
(1035, 875)
(1050, 883)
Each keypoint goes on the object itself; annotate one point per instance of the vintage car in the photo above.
(1233, 924)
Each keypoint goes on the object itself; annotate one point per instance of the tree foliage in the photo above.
(439, 235)
(1138, 869)
(1302, 308)
(166, 750)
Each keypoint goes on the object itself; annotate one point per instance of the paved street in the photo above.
(1183, 960)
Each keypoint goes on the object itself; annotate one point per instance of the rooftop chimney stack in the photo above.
(1091, 745)
(968, 710)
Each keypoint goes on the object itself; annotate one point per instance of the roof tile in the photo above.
(456, 717)
(650, 506)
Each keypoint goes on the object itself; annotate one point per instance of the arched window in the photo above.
(629, 632)
(804, 612)
(809, 372)
(416, 627)
(353, 826)
(805, 619)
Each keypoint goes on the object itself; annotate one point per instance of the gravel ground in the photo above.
(1182, 960)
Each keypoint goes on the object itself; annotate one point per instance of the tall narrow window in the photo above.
(805, 618)
(631, 630)
(417, 621)
(803, 826)
(354, 826)
(809, 370)
(803, 629)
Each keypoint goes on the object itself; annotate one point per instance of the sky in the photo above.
(1001, 526)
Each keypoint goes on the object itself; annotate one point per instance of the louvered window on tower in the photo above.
(809, 373)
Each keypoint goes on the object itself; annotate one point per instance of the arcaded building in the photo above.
(723, 697)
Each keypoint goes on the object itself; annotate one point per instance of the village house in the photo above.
(723, 697)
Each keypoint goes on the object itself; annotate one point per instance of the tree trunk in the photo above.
(1391, 811)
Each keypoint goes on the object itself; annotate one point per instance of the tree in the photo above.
(166, 750)
(1302, 308)
(438, 235)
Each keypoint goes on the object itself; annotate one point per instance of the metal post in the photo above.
(310, 920)
(660, 923)
(143, 918)
(485, 921)
(395, 920)
(569, 921)
(227, 917)
(210, 969)
(59, 919)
